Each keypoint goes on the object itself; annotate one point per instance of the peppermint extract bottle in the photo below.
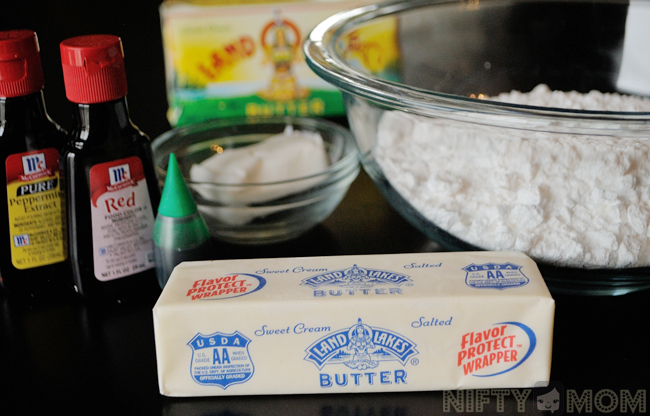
(112, 191)
(32, 213)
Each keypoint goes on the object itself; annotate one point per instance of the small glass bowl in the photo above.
(302, 203)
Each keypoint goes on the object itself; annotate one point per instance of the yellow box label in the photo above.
(247, 60)
(236, 45)
(373, 47)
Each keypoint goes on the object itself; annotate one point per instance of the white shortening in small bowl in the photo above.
(287, 156)
(348, 324)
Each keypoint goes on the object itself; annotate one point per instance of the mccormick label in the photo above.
(122, 219)
(35, 209)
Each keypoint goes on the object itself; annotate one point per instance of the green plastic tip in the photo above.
(176, 200)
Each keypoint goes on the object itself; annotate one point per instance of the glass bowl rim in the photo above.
(322, 57)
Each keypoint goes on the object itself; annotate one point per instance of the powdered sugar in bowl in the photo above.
(517, 125)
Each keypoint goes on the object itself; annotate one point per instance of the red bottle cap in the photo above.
(93, 68)
(20, 63)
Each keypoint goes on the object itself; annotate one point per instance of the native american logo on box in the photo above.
(496, 350)
(357, 280)
(356, 277)
(225, 287)
(361, 347)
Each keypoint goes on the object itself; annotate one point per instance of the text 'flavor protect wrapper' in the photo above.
(349, 324)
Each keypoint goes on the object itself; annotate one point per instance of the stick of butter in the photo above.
(348, 324)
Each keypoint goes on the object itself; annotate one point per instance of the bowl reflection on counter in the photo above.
(474, 174)
(258, 217)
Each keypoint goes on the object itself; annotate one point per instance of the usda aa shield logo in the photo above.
(494, 276)
(221, 359)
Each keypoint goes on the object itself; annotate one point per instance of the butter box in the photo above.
(377, 323)
(244, 58)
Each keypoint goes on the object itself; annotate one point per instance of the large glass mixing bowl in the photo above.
(569, 187)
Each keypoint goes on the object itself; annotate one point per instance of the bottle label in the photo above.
(122, 219)
(35, 209)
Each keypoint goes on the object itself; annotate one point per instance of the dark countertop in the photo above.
(80, 360)
(66, 358)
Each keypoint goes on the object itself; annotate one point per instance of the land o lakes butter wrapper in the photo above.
(348, 324)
